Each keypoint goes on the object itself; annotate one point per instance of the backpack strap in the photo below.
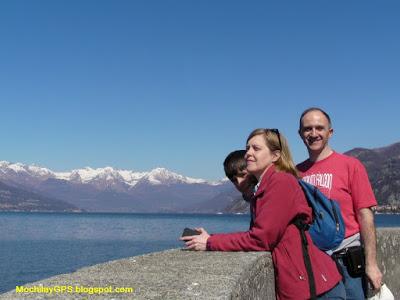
(302, 226)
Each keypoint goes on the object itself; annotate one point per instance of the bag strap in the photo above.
(302, 226)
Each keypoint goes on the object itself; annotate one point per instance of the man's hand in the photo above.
(196, 242)
(374, 276)
(368, 235)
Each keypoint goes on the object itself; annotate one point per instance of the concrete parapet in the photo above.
(172, 274)
(179, 274)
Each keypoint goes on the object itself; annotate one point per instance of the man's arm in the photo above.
(368, 235)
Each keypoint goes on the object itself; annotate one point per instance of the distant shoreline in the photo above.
(381, 210)
(125, 213)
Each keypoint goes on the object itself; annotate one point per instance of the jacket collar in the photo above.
(264, 180)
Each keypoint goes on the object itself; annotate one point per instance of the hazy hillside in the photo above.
(383, 167)
(15, 199)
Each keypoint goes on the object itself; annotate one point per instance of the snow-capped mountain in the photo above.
(7, 167)
(163, 176)
(95, 176)
(109, 189)
(108, 174)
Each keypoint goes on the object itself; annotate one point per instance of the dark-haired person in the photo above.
(235, 169)
(344, 179)
(277, 202)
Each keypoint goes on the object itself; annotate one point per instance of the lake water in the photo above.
(34, 246)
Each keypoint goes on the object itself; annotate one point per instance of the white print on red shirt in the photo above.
(320, 180)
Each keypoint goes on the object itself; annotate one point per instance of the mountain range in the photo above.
(29, 187)
(112, 190)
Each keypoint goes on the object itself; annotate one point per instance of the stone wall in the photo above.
(179, 274)
(389, 258)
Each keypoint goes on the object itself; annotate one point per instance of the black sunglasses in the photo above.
(276, 131)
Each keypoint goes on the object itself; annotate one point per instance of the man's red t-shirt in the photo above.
(344, 179)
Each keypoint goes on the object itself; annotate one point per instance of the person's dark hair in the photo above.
(234, 163)
(315, 109)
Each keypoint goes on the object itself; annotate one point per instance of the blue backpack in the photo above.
(327, 228)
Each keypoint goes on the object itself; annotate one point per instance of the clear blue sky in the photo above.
(179, 84)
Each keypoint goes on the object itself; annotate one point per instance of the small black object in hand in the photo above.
(189, 232)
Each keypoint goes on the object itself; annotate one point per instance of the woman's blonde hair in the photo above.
(275, 141)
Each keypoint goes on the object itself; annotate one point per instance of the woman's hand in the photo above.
(196, 242)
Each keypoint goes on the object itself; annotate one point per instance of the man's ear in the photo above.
(330, 132)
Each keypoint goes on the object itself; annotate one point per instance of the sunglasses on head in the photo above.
(276, 131)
